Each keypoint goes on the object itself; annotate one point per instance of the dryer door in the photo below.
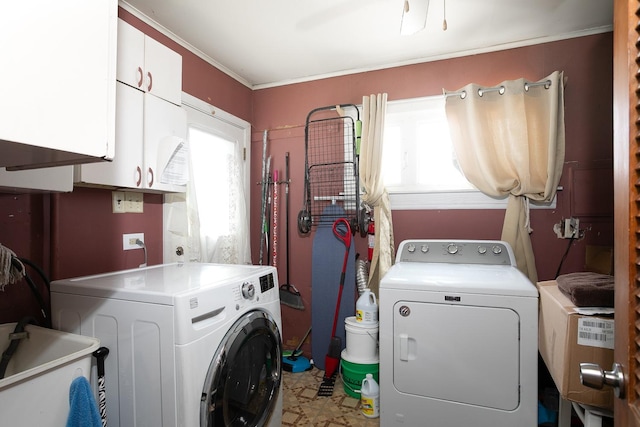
(457, 353)
(243, 380)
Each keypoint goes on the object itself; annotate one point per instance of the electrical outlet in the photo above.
(133, 202)
(129, 241)
(571, 228)
(127, 201)
(117, 201)
(568, 228)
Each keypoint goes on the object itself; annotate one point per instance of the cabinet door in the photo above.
(163, 71)
(57, 81)
(130, 69)
(126, 168)
(165, 125)
(148, 65)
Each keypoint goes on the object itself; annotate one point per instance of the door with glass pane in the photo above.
(209, 222)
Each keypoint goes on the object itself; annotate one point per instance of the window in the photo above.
(212, 176)
(419, 165)
(418, 155)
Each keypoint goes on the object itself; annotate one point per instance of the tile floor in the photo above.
(303, 407)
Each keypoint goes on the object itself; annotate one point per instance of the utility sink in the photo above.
(35, 388)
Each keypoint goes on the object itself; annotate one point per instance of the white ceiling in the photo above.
(265, 43)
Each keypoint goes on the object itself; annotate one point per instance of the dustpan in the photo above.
(295, 362)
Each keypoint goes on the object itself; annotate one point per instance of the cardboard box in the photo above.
(566, 339)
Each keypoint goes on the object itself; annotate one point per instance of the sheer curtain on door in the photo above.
(509, 142)
(210, 221)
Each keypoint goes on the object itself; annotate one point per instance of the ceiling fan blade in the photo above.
(414, 16)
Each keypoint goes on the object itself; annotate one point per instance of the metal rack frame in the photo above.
(332, 142)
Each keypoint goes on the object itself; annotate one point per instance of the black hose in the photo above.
(38, 270)
(13, 345)
(44, 310)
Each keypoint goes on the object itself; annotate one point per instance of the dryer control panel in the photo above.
(486, 252)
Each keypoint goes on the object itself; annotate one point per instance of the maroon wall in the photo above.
(587, 63)
(76, 233)
(87, 237)
(24, 228)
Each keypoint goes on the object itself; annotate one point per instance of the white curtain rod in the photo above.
(500, 89)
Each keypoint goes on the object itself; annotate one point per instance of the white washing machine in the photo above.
(458, 337)
(189, 344)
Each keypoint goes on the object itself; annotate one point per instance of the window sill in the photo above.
(452, 200)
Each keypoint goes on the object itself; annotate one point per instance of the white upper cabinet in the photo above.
(126, 168)
(148, 65)
(151, 126)
(150, 138)
(57, 82)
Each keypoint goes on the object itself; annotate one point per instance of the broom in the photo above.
(332, 358)
(289, 295)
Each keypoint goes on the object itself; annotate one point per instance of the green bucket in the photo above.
(354, 373)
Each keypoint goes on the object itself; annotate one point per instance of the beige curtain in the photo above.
(373, 191)
(509, 141)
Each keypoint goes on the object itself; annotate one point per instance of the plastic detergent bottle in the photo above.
(370, 397)
(367, 307)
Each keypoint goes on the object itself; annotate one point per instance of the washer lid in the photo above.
(467, 278)
(160, 284)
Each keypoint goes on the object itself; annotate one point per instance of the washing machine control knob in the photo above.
(411, 248)
(248, 290)
(424, 249)
(497, 250)
(452, 248)
(482, 250)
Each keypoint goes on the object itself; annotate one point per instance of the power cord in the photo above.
(144, 248)
(564, 257)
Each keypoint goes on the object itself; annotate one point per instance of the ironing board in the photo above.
(326, 265)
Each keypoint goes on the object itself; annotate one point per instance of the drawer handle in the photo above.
(404, 347)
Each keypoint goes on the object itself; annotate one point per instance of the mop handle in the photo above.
(346, 238)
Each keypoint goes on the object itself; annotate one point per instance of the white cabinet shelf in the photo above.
(55, 179)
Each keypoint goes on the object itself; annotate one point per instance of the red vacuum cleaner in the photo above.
(342, 231)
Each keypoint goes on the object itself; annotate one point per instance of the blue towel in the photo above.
(83, 410)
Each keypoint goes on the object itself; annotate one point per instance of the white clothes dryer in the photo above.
(458, 337)
(189, 344)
